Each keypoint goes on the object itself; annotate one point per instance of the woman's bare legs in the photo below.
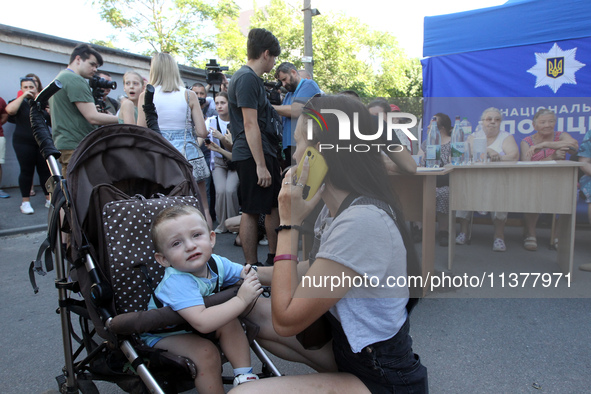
(204, 354)
(342, 383)
(288, 348)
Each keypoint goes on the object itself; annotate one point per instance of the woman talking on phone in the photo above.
(26, 148)
(359, 234)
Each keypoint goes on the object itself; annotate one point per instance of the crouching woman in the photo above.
(360, 235)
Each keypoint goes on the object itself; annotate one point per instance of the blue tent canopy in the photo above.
(515, 23)
(518, 57)
(524, 48)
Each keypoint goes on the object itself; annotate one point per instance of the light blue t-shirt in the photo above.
(181, 290)
(365, 239)
(306, 89)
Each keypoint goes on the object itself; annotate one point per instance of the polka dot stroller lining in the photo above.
(126, 225)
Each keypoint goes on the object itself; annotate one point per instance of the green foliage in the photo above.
(183, 28)
(104, 43)
(348, 54)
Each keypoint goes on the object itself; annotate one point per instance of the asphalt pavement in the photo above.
(481, 339)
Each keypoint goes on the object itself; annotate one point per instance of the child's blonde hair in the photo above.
(172, 213)
(131, 72)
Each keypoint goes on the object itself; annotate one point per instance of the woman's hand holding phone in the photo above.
(293, 209)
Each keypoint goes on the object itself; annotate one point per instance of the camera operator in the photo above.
(207, 103)
(110, 105)
(73, 111)
(299, 91)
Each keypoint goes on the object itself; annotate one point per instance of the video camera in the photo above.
(273, 92)
(214, 73)
(98, 86)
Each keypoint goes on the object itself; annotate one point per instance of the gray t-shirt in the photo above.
(365, 239)
(246, 90)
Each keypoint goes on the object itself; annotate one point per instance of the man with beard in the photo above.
(299, 91)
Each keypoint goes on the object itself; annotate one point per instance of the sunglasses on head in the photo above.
(27, 79)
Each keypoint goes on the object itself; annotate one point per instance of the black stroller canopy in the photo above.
(128, 157)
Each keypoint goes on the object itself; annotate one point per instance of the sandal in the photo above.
(530, 243)
(499, 245)
(461, 239)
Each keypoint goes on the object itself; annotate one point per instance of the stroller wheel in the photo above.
(87, 387)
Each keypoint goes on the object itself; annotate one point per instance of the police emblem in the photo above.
(556, 68)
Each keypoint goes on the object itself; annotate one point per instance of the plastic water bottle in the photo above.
(433, 153)
(479, 145)
(457, 144)
(467, 127)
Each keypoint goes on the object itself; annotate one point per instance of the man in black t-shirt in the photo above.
(254, 146)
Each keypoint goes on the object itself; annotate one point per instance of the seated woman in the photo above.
(585, 181)
(442, 190)
(370, 325)
(501, 146)
(546, 144)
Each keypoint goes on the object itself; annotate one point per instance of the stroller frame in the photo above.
(79, 374)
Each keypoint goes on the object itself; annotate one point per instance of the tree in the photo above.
(183, 28)
(348, 54)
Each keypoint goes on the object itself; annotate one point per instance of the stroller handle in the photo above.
(38, 124)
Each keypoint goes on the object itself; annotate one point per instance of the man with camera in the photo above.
(255, 143)
(73, 110)
(109, 105)
(299, 91)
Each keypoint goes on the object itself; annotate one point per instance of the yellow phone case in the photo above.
(318, 170)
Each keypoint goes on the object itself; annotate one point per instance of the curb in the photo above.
(23, 230)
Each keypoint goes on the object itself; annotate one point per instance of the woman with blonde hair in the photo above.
(133, 86)
(179, 118)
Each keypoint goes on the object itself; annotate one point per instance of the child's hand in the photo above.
(250, 290)
(247, 270)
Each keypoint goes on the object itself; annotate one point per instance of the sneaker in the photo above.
(47, 203)
(244, 378)
(218, 231)
(3, 194)
(499, 245)
(264, 241)
(26, 208)
(461, 239)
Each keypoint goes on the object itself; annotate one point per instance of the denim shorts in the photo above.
(188, 147)
(389, 366)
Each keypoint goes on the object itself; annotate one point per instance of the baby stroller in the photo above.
(112, 175)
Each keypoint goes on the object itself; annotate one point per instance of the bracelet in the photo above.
(291, 257)
(288, 227)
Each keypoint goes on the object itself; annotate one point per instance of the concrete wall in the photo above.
(24, 51)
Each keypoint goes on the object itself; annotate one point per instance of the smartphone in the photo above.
(318, 170)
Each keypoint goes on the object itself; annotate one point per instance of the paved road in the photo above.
(468, 343)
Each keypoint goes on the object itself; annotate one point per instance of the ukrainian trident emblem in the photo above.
(554, 67)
